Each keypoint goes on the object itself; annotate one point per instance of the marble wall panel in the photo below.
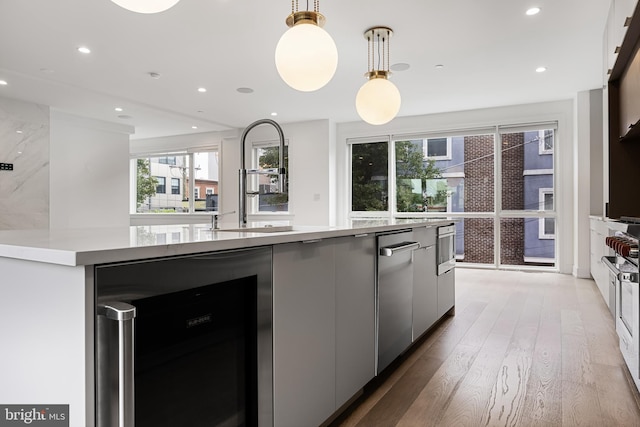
(24, 141)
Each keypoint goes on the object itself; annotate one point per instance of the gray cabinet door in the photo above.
(303, 333)
(355, 314)
(446, 292)
(425, 281)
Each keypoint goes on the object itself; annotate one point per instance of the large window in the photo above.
(266, 156)
(189, 173)
(370, 176)
(502, 199)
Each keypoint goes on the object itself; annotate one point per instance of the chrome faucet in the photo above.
(242, 203)
(215, 217)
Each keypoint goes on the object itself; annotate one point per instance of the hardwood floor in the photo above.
(524, 349)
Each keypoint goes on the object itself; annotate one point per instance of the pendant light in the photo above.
(378, 100)
(146, 6)
(306, 55)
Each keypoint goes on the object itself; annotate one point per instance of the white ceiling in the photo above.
(489, 48)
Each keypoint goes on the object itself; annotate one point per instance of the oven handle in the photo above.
(398, 248)
(622, 276)
(120, 373)
(607, 260)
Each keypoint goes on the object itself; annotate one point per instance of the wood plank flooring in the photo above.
(524, 349)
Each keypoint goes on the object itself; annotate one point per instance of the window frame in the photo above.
(190, 155)
(542, 228)
(253, 184)
(162, 183)
(391, 168)
(425, 146)
(541, 142)
(173, 187)
(497, 213)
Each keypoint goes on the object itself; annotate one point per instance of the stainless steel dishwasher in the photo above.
(394, 295)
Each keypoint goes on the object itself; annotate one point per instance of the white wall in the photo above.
(561, 111)
(588, 175)
(24, 192)
(89, 185)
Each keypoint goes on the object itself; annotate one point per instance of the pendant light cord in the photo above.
(295, 6)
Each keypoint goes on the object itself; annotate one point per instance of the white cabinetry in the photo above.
(323, 326)
(446, 292)
(355, 314)
(425, 282)
(599, 271)
(304, 326)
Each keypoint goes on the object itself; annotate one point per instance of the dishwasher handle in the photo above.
(398, 248)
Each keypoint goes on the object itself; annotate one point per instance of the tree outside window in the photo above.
(418, 181)
(146, 183)
(269, 199)
(370, 176)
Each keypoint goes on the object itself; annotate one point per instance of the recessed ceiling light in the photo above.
(18, 131)
(202, 89)
(533, 11)
(84, 49)
(439, 66)
(244, 90)
(400, 66)
(274, 114)
(118, 109)
(541, 69)
(154, 75)
(3, 83)
(194, 127)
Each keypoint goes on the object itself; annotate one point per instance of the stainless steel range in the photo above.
(624, 266)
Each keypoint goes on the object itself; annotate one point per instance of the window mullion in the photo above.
(192, 184)
(497, 195)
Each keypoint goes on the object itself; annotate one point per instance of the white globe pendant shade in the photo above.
(146, 6)
(306, 57)
(378, 101)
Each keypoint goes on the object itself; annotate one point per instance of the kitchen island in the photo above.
(48, 297)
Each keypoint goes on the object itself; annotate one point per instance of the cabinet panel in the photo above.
(446, 292)
(303, 333)
(355, 314)
(425, 281)
(622, 12)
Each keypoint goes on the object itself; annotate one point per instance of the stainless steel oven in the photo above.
(624, 266)
(446, 248)
(185, 341)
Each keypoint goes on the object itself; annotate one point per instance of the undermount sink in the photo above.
(261, 229)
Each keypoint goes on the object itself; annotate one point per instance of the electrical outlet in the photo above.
(6, 166)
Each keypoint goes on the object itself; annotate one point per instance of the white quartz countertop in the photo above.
(73, 247)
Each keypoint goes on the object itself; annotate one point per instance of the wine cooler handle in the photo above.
(115, 365)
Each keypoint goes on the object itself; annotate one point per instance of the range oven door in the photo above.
(628, 322)
(446, 250)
